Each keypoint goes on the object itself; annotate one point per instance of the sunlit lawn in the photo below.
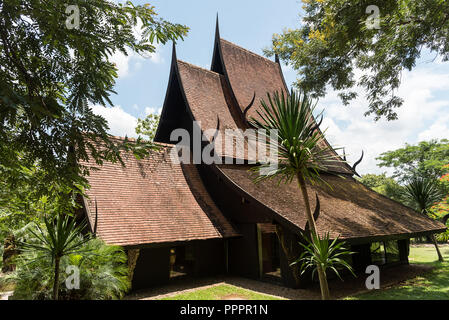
(430, 286)
(220, 292)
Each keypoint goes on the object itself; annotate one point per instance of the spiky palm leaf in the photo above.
(324, 252)
(302, 151)
(301, 146)
(103, 274)
(61, 237)
(421, 193)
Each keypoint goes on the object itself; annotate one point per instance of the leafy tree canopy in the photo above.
(338, 37)
(427, 159)
(148, 126)
(387, 186)
(53, 69)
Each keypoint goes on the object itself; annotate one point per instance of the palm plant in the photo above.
(103, 271)
(61, 237)
(321, 251)
(103, 274)
(301, 153)
(421, 193)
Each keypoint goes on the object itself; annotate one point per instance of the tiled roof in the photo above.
(153, 200)
(349, 210)
(250, 73)
(209, 101)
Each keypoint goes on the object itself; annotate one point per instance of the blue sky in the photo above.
(142, 82)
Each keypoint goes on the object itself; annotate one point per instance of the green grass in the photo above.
(6, 285)
(433, 285)
(219, 292)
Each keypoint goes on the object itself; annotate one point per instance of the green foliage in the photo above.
(300, 150)
(421, 193)
(297, 138)
(444, 236)
(148, 126)
(61, 237)
(321, 251)
(103, 274)
(383, 185)
(431, 285)
(52, 74)
(427, 158)
(334, 41)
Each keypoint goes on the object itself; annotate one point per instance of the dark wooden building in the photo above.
(201, 219)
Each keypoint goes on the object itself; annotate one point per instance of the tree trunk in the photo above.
(56, 281)
(325, 295)
(288, 254)
(434, 240)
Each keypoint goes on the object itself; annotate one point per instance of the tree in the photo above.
(321, 251)
(103, 274)
(381, 38)
(421, 193)
(427, 158)
(61, 237)
(299, 156)
(148, 126)
(54, 68)
(382, 184)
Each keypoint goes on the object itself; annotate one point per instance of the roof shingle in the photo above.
(348, 210)
(153, 200)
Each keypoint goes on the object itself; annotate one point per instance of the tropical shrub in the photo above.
(103, 274)
(48, 252)
(60, 237)
(301, 153)
(321, 252)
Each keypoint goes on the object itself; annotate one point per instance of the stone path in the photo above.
(389, 277)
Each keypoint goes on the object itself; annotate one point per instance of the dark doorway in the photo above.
(181, 262)
(270, 264)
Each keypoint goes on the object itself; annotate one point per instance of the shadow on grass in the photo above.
(433, 285)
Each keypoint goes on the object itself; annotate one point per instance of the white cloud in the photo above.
(149, 110)
(423, 116)
(120, 122)
(438, 130)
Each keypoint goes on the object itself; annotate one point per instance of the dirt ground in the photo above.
(389, 277)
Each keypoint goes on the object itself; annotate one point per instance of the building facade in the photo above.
(198, 219)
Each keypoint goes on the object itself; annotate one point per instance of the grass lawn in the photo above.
(221, 292)
(433, 285)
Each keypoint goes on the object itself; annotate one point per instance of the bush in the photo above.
(103, 274)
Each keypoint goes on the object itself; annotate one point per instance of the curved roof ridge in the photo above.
(248, 51)
(131, 139)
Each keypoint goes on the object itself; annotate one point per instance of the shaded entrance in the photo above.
(269, 255)
(182, 261)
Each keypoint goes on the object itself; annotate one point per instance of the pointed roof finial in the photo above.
(217, 29)
(173, 52)
(174, 49)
